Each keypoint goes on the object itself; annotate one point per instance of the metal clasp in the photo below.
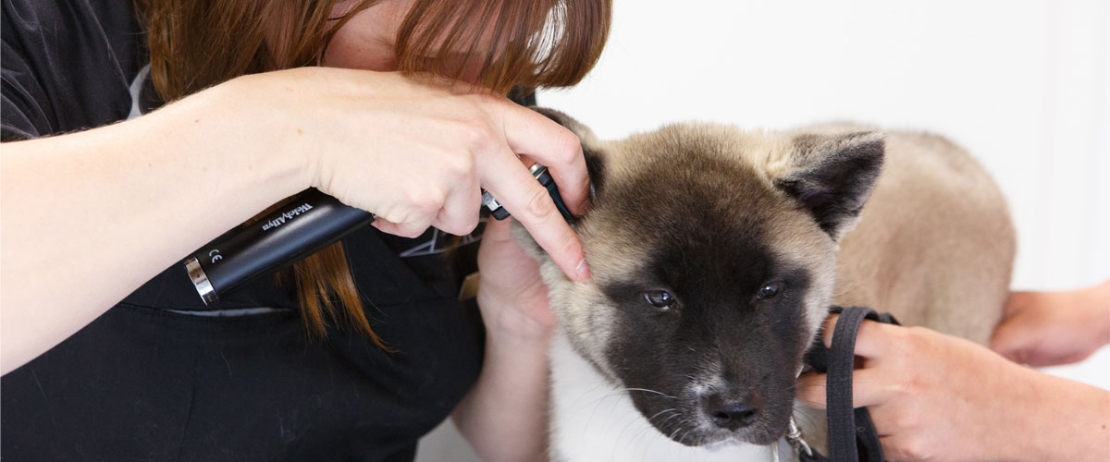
(794, 437)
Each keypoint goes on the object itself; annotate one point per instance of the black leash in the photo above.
(852, 435)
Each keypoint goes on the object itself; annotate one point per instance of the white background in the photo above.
(1024, 85)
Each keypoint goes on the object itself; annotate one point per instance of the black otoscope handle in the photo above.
(303, 225)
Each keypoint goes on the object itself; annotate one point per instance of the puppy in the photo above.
(715, 254)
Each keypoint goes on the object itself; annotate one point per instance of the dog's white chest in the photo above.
(593, 421)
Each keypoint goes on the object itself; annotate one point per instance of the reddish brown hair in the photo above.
(195, 44)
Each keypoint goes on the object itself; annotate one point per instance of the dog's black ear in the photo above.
(591, 149)
(833, 177)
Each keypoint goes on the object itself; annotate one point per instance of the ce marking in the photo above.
(215, 254)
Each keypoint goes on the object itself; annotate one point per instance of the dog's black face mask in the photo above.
(709, 334)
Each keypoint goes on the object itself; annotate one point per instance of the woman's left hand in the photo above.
(1050, 328)
(512, 295)
(505, 415)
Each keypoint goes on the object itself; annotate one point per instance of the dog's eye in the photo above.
(659, 298)
(769, 290)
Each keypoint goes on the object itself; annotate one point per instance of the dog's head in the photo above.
(712, 254)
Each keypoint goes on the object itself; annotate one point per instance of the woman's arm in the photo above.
(936, 397)
(90, 216)
(504, 417)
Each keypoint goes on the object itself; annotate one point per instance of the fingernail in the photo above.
(582, 271)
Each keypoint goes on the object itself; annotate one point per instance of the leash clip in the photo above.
(794, 437)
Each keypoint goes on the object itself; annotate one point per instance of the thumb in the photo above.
(497, 230)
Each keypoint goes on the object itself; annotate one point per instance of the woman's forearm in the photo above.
(505, 416)
(88, 217)
(1067, 420)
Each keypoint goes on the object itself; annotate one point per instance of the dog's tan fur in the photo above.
(935, 244)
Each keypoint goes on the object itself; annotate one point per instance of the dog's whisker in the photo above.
(615, 393)
(650, 391)
(676, 414)
(660, 412)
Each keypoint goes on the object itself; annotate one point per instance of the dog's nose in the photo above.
(732, 413)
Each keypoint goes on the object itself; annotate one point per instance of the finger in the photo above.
(460, 212)
(867, 389)
(531, 205)
(409, 230)
(533, 134)
(870, 339)
(870, 387)
(497, 231)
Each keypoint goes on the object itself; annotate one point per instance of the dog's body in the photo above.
(714, 256)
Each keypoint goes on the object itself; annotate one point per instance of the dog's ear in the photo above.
(833, 176)
(591, 147)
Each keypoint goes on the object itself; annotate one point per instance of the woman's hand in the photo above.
(1051, 328)
(512, 295)
(505, 416)
(417, 152)
(937, 397)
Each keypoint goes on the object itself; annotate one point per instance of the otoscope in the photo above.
(301, 226)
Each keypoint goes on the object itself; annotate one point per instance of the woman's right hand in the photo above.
(416, 152)
(936, 397)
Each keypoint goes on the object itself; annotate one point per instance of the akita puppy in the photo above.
(716, 253)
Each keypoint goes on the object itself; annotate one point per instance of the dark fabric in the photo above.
(66, 65)
(852, 435)
(145, 383)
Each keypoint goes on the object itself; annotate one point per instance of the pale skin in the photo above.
(106, 209)
(1052, 328)
(937, 397)
(511, 393)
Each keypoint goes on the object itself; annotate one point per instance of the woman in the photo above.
(260, 110)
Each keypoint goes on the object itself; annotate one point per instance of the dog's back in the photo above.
(934, 245)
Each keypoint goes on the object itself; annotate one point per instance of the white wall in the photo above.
(1024, 85)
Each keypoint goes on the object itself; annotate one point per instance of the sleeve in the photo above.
(65, 66)
(22, 114)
